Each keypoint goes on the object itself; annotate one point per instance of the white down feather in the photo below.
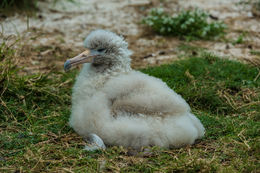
(128, 108)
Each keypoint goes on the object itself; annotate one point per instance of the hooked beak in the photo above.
(84, 57)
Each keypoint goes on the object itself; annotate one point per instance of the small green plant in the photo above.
(239, 40)
(188, 24)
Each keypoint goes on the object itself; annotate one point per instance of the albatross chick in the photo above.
(120, 106)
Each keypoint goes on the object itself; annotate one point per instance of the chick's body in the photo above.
(128, 108)
(132, 109)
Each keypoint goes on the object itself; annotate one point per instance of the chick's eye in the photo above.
(100, 50)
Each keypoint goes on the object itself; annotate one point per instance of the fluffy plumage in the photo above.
(126, 107)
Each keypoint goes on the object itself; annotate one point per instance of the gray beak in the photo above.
(84, 57)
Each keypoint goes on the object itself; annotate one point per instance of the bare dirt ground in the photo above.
(56, 31)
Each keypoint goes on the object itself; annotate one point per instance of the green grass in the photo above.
(239, 40)
(255, 52)
(9, 5)
(224, 94)
(212, 84)
(187, 24)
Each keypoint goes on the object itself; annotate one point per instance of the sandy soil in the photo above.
(56, 31)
